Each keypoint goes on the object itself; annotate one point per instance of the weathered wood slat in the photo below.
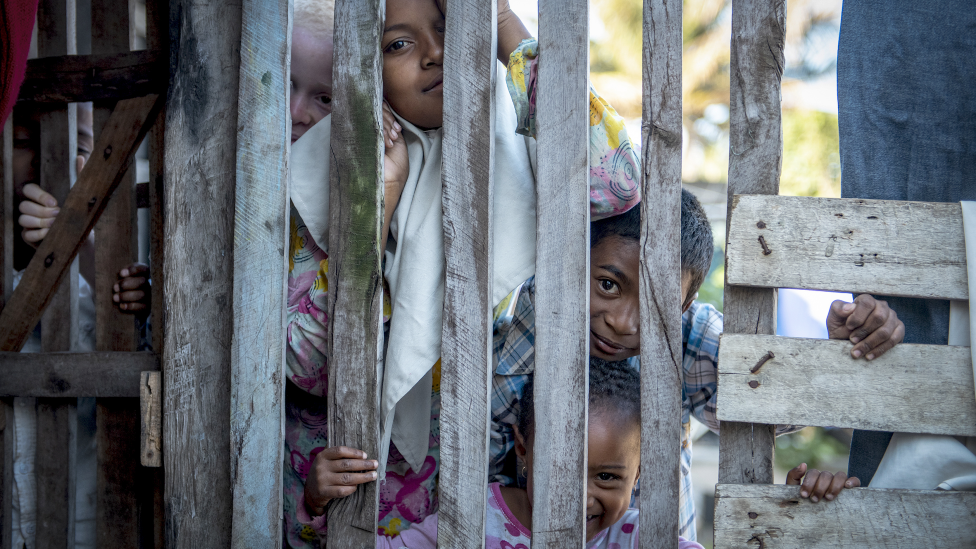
(151, 412)
(7, 212)
(78, 78)
(260, 263)
(113, 151)
(776, 517)
(562, 276)
(755, 155)
(117, 496)
(355, 295)
(199, 181)
(54, 471)
(470, 43)
(57, 423)
(911, 388)
(913, 249)
(6, 473)
(660, 275)
(74, 374)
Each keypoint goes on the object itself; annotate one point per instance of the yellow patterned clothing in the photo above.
(614, 164)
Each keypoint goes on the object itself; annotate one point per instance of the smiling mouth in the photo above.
(606, 346)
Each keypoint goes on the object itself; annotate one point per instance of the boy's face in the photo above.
(311, 80)
(413, 57)
(615, 298)
(613, 466)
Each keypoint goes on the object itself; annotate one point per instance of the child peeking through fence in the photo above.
(613, 467)
(412, 46)
(615, 335)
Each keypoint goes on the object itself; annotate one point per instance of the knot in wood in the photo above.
(761, 224)
(753, 515)
(108, 152)
(49, 259)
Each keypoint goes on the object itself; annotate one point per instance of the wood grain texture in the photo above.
(470, 43)
(151, 413)
(660, 275)
(260, 263)
(755, 158)
(117, 503)
(355, 292)
(79, 211)
(6, 472)
(199, 181)
(911, 388)
(562, 277)
(913, 249)
(157, 38)
(54, 470)
(6, 212)
(776, 517)
(74, 374)
(77, 78)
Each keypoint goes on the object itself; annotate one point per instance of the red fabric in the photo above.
(16, 27)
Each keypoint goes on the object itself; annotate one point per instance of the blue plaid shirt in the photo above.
(514, 361)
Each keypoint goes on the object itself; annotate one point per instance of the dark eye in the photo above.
(396, 45)
(607, 285)
(606, 477)
(324, 99)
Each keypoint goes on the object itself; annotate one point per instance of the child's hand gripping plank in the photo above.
(820, 484)
(868, 323)
(335, 473)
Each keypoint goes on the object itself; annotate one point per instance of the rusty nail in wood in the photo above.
(754, 384)
(49, 259)
(108, 151)
(762, 242)
(765, 358)
(753, 515)
(761, 224)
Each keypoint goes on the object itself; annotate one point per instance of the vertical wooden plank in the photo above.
(260, 229)
(6, 472)
(356, 198)
(562, 277)
(150, 407)
(54, 469)
(115, 236)
(470, 43)
(660, 279)
(755, 160)
(199, 176)
(57, 418)
(117, 420)
(6, 288)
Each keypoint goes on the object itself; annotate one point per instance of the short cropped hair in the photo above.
(317, 16)
(614, 386)
(697, 246)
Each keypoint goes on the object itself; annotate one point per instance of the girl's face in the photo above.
(613, 467)
(311, 80)
(413, 57)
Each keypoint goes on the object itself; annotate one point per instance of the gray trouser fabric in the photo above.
(906, 92)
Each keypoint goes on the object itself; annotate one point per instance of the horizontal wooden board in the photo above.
(776, 517)
(77, 78)
(886, 247)
(74, 374)
(911, 388)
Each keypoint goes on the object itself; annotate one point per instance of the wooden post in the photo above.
(117, 420)
(56, 418)
(260, 286)
(562, 276)
(199, 176)
(755, 158)
(660, 280)
(468, 163)
(6, 284)
(355, 293)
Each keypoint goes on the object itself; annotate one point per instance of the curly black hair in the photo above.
(613, 386)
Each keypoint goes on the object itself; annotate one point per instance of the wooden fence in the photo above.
(219, 271)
